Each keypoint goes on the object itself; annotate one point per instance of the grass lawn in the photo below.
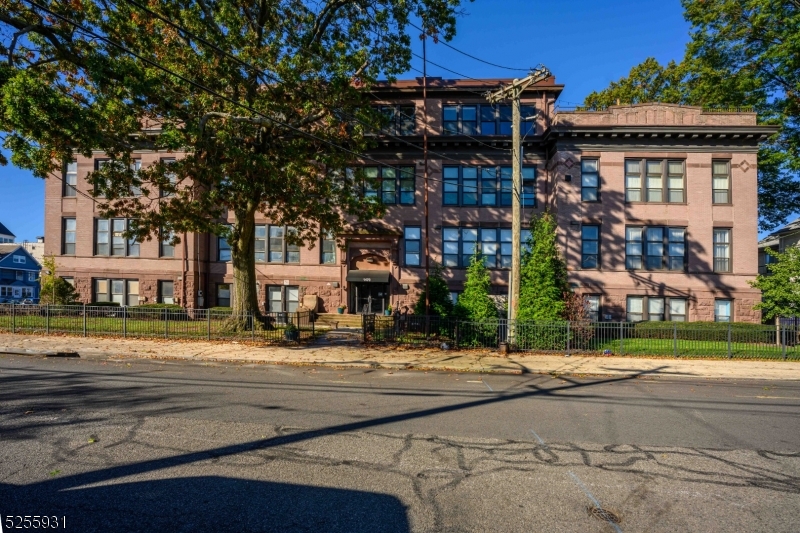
(215, 329)
(699, 348)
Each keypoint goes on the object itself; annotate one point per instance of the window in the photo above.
(282, 298)
(31, 276)
(68, 240)
(136, 189)
(462, 187)
(722, 310)
(328, 248)
(677, 309)
(110, 238)
(593, 308)
(658, 309)
(495, 245)
(124, 292)
(166, 292)
(133, 292)
(271, 244)
(635, 309)
(71, 179)
(69, 280)
(223, 295)
(27, 292)
(590, 246)
(469, 119)
(400, 119)
(224, 249)
(173, 180)
(454, 297)
(721, 181)
(663, 248)
(20, 276)
(19, 259)
(166, 245)
(260, 244)
(722, 250)
(590, 180)
(392, 185)
(663, 181)
(412, 236)
(6, 292)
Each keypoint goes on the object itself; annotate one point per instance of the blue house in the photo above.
(19, 274)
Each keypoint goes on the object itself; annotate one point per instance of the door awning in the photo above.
(368, 276)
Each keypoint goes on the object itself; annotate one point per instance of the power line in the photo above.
(277, 79)
(470, 55)
(238, 104)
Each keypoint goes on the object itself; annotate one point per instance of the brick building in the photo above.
(652, 201)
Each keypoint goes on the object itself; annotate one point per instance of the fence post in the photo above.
(13, 317)
(783, 341)
(567, 337)
(84, 319)
(364, 326)
(675, 338)
(456, 336)
(312, 318)
(208, 322)
(730, 354)
(47, 319)
(125, 323)
(621, 337)
(166, 324)
(252, 327)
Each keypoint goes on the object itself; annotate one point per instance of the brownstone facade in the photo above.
(374, 263)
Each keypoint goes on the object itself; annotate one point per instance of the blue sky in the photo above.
(585, 43)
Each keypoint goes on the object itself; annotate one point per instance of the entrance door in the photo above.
(371, 297)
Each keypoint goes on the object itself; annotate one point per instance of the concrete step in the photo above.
(349, 321)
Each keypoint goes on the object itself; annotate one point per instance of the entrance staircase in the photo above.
(335, 320)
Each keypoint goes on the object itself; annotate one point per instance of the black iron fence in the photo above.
(677, 339)
(151, 323)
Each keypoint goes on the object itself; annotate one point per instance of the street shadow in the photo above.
(209, 503)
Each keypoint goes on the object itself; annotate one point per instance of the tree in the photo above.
(646, 82)
(269, 100)
(474, 303)
(54, 289)
(780, 288)
(440, 302)
(741, 53)
(543, 275)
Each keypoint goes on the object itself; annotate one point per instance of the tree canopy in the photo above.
(543, 285)
(780, 287)
(268, 100)
(741, 53)
(474, 303)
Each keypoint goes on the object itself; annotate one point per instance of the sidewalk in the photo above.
(356, 356)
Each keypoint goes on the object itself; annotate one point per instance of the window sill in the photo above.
(656, 203)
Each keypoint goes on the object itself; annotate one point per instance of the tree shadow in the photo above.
(209, 503)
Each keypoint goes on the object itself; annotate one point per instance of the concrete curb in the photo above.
(40, 353)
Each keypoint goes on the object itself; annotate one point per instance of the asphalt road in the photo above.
(148, 446)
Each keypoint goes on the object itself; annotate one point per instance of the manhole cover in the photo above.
(605, 515)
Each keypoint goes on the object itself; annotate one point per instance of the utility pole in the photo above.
(513, 92)
(424, 38)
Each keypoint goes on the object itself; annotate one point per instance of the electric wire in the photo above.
(238, 104)
(448, 45)
(278, 80)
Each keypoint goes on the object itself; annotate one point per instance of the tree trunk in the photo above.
(243, 293)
